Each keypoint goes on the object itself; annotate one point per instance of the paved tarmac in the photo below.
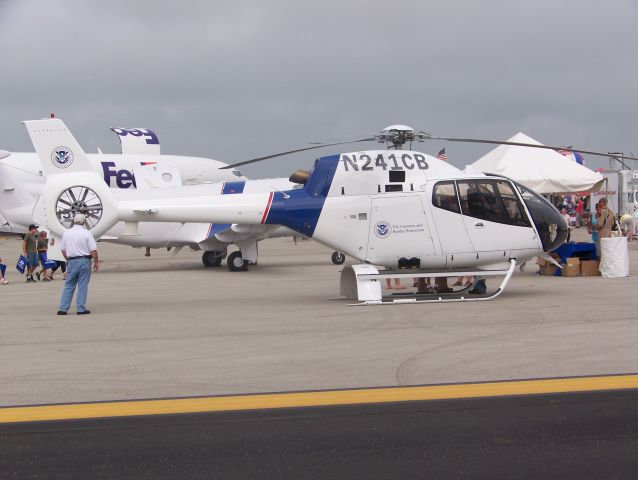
(585, 435)
(165, 326)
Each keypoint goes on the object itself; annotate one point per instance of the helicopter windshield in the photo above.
(549, 222)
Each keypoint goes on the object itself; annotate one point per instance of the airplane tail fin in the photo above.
(65, 163)
(137, 141)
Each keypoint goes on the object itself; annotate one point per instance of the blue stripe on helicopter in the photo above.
(228, 188)
(233, 187)
(300, 209)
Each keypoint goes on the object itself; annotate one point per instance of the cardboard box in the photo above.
(573, 261)
(571, 269)
(545, 267)
(589, 268)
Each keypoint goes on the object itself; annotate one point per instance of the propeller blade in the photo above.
(281, 154)
(518, 144)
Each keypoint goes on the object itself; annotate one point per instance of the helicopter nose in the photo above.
(549, 222)
(552, 229)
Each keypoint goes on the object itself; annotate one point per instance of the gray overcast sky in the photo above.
(236, 80)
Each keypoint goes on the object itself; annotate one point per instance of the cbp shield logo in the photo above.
(62, 157)
(382, 229)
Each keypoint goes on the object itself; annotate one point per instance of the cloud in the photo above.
(236, 80)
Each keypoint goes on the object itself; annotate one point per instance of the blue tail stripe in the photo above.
(299, 210)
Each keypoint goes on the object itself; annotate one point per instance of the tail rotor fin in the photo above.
(65, 163)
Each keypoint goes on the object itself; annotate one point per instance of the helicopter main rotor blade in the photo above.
(519, 144)
(427, 136)
(281, 154)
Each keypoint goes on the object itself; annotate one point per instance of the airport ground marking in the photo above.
(363, 396)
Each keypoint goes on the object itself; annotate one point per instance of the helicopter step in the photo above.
(364, 283)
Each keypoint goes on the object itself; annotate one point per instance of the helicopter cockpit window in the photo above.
(492, 200)
(444, 196)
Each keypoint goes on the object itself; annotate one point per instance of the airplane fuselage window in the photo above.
(492, 200)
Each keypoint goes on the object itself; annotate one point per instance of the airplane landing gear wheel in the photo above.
(338, 258)
(236, 263)
(211, 258)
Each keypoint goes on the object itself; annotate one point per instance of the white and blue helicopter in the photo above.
(400, 212)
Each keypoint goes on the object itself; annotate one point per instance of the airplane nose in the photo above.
(549, 222)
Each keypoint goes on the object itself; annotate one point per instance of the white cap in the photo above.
(79, 219)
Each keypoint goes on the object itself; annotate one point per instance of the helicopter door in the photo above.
(398, 228)
(450, 226)
(495, 220)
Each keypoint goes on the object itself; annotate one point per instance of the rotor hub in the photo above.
(399, 135)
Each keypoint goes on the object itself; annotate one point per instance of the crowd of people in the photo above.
(78, 248)
(34, 249)
(601, 223)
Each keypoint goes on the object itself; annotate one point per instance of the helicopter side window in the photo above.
(444, 196)
(491, 200)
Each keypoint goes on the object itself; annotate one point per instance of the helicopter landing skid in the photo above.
(364, 283)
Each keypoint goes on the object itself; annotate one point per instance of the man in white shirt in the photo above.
(78, 247)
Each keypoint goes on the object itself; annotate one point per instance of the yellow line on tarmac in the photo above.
(314, 399)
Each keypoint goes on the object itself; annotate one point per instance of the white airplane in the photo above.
(405, 211)
(140, 166)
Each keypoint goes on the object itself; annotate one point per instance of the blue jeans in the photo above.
(3, 268)
(78, 273)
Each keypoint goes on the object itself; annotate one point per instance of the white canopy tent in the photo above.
(542, 170)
